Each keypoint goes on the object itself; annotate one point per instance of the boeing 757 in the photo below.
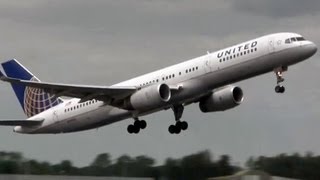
(206, 80)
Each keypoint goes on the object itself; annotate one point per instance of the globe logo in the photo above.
(37, 101)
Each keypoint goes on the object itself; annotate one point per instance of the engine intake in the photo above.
(150, 97)
(222, 99)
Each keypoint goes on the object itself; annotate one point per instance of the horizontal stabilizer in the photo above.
(20, 122)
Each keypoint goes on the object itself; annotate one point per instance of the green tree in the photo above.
(102, 160)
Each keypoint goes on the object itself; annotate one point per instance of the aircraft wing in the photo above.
(20, 122)
(84, 92)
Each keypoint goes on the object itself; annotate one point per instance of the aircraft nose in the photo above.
(312, 48)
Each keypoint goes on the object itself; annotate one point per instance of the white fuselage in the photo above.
(196, 77)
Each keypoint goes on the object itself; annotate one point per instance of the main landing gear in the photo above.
(136, 126)
(180, 125)
(278, 71)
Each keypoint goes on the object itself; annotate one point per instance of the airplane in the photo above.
(205, 80)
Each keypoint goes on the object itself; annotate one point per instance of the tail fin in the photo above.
(33, 100)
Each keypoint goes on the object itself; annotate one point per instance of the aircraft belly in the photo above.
(89, 120)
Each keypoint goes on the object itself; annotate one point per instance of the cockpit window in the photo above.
(293, 39)
(300, 39)
(288, 41)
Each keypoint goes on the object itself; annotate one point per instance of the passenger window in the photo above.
(293, 39)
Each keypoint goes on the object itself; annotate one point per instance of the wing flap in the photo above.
(20, 122)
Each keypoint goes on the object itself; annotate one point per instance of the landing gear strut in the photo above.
(136, 126)
(278, 71)
(180, 125)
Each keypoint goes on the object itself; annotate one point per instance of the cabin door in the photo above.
(272, 45)
(55, 116)
(207, 64)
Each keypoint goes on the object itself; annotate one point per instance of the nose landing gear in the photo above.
(278, 71)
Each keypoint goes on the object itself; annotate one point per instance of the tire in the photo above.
(137, 123)
(282, 89)
(177, 130)
(171, 129)
(184, 125)
(277, 89)
(143, 124)
(130, 129)
(136, 129)
(178, 124)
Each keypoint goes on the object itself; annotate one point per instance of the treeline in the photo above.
(195, 166)
(292, 166)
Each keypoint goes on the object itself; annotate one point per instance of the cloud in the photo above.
(278, 8)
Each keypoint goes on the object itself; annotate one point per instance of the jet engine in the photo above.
(222, 99)
(150, 97)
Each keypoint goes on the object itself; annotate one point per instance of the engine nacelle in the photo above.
(222, 99)
(150, 97)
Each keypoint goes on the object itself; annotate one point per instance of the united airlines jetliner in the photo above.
(205, 80)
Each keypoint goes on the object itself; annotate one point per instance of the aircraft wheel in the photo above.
(137, 123)
(136, 129)
(184, 125)
(130, 129)
(143, 124)
(178, 124)
(177, 129)
(279, 89)
(172, 129)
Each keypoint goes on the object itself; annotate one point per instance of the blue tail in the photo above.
(33, 100)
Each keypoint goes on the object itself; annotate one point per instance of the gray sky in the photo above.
(101, 42)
